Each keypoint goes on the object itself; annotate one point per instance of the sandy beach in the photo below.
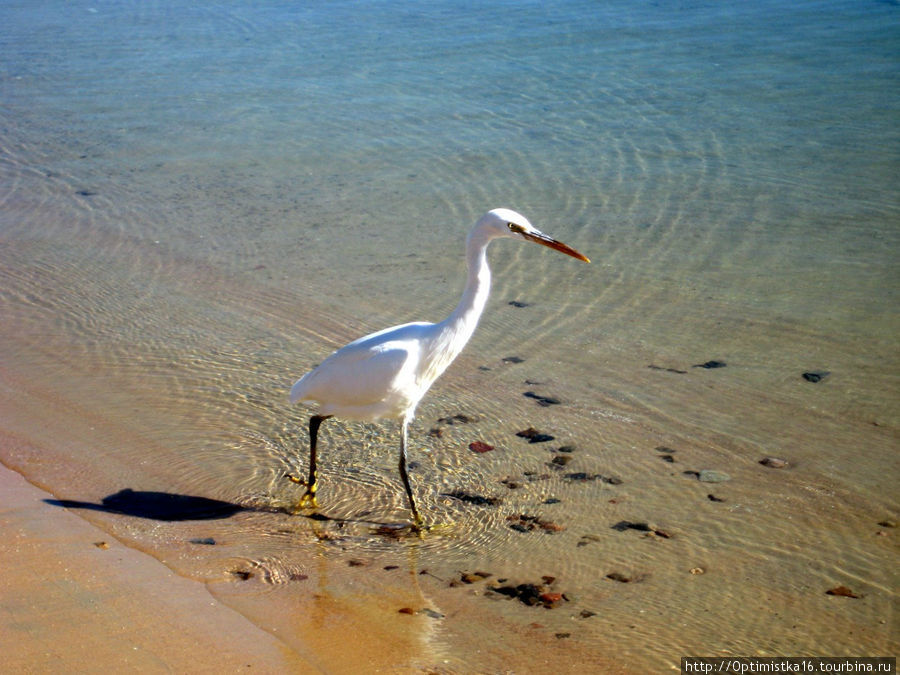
(74, 599)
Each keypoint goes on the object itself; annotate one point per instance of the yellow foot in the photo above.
(307, 501)
(291, 477)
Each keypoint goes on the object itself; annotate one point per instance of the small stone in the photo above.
(540, 438)
(102, 545)
(667, 458)
(773, 462)
(711, 364)
(587, 614)
(562, 636)
(552, 500)
(887, 523)
(513, 359)
(566, 448)
(616, 576)
(542, 400)
(431, 613)
(698, 570)
(665, 449)
(816, 375)
(480, 447)
(713, 498)
(842, 591)
(205, 541)
(356, 563)
(550, 600)
(518, 303)
(710, 476)
(406, 610)
(391, 567)
(469, 498)
(561, 460)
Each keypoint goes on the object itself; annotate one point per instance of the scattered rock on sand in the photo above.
(815, 375)
(542, 400)
(480, 447)
(842, 591)
(534, 436)
(774, 462)
(470, 498)
(711, 364)
(525, 523)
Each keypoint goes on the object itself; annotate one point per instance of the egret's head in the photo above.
(507, 223)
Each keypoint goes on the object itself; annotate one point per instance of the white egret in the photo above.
(386, 374)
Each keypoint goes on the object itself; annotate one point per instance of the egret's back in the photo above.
(375, 376)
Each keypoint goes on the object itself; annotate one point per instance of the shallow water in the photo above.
(198, 205)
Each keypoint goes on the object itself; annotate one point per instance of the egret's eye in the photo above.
(515, 228)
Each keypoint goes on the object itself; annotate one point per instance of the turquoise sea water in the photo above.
(199, 204)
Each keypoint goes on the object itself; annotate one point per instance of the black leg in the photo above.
(417, 520)
(309, 497)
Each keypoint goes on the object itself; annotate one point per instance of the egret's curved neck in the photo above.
(465, 317)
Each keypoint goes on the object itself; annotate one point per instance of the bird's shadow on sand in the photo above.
(169, 507)
(156, 506)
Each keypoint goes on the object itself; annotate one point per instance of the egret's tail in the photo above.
(298, 390)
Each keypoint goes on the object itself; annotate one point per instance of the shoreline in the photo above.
(75, 599)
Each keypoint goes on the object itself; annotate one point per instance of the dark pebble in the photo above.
(551, 500)
(713, 498)
(887, 523)
(480, 447)
(406, 610)
(542, 400)
(623, 525)
(561, 460)
(616, 576)
(431, 613)
(666, 449)
(356, 563)
(667, 458)
(566, 448)
(86, 193)
(517, 303)
(243, 575)
(534, 436)
(391, 567)
(513, 359)
(205, 541)
(587, 614)
(711, 364)
(842, 591)
(562, 636)
(469, 498)
(816, 375)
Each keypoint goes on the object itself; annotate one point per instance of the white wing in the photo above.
(372, 377)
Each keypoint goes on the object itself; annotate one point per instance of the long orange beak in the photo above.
(550, 242)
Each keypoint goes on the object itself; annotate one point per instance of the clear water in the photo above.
(199, 204)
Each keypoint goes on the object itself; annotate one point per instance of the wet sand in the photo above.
(74, 599)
